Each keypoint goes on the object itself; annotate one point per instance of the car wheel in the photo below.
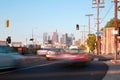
(47, 58)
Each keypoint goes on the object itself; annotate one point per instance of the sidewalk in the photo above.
(114, 71)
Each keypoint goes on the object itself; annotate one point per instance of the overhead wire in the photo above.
(106, 14)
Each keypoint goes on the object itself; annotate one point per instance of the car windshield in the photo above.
(7, 49)
(74, 50)
(58, 49)
(45, 49)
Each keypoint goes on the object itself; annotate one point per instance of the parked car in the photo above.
(7, 50)
(7, 60)
(43, 51)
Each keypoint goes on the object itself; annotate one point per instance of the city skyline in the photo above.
(64, 38)
(29, 17)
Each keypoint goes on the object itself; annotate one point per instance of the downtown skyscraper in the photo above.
(55, 38)
(45, 38)
(67, 40)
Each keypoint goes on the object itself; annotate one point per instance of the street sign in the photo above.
(99, 33)
(115, 31)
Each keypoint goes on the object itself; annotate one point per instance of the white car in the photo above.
(43, 51)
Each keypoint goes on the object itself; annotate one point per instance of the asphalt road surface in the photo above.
(95, 70)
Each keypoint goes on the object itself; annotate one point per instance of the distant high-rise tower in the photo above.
(55, 37)
(45, 38)
(65, 39)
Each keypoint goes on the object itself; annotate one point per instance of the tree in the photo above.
(82, 46)
(91, 42)
(111, 23)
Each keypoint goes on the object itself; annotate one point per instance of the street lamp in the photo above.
(89, 21)
(98, 1)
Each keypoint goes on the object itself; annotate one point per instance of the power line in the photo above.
(106, 13)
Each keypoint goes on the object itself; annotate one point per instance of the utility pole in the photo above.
(89, 15)
(83, 36)
(115, 26)
(98, 2)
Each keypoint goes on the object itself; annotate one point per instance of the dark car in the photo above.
(7, 57)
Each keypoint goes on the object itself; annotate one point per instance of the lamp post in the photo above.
(98, 2)
(89, 15)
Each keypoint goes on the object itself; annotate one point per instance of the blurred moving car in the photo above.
(55, 53)
(7, 60)
(69, 56)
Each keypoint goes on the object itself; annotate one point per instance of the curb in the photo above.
(115, 61)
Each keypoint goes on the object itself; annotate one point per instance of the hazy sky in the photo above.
(42, 16)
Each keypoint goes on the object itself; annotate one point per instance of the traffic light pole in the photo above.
(83, 32)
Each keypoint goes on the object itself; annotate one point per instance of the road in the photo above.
(54, 70)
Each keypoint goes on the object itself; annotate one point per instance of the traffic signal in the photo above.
(32, 39)
(118, 8)
(77, 26)
(8, 40)
(7, 23)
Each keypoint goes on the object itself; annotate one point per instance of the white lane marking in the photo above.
(30, 67)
